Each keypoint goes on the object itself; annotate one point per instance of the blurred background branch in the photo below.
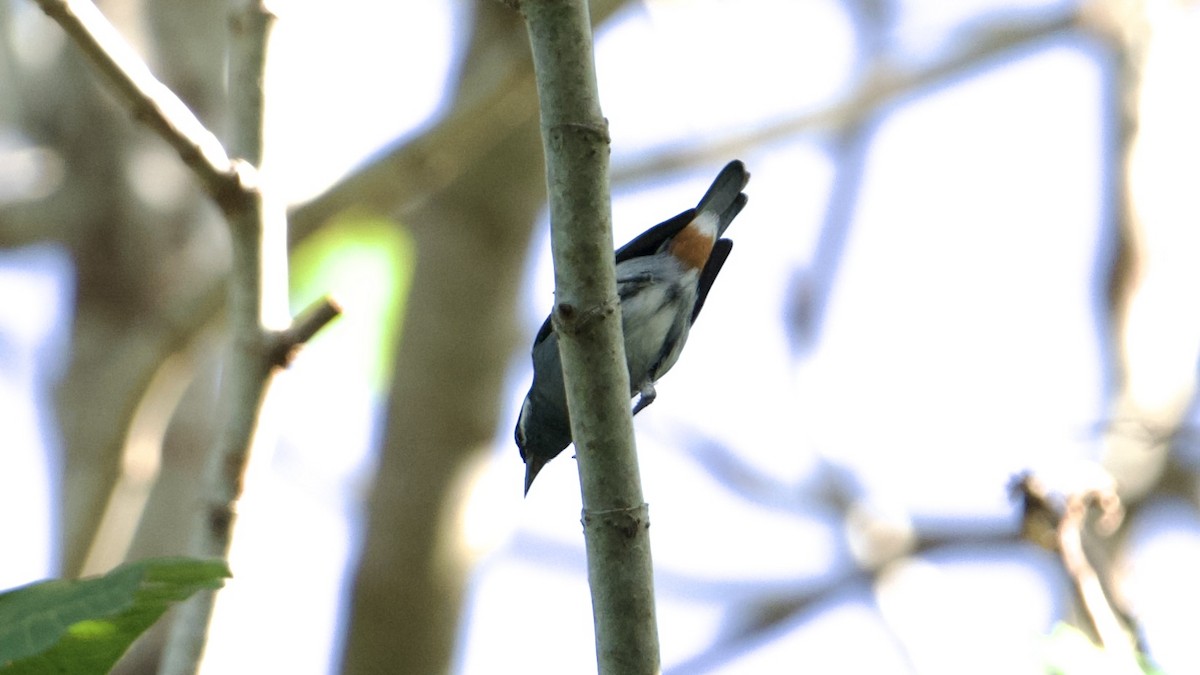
(924, 257)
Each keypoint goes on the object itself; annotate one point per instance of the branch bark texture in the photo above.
(588, 321)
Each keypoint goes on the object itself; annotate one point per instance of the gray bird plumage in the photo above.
(663, 277)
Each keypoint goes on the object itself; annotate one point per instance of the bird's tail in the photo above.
(724, 196)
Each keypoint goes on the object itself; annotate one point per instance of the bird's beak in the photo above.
(532, 466)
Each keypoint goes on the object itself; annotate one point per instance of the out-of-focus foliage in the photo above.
(366, 264)
(83, 626)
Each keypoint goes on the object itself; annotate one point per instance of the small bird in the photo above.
(663, 276)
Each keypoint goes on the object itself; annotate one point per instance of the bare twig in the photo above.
(316, 316)
(1075, 560)
(1059, 522)
(151, 101)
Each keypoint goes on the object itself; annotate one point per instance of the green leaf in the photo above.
(83, 626)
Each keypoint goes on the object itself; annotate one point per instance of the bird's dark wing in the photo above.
(543, 332)
(648, 242)
(708, 275)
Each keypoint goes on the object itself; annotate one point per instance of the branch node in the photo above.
(629, 521)
(590, 132)
(569, 320)
(234, 190)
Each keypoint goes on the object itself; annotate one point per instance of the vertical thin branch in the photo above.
(259, 274)
(588, 322)
(247, 367)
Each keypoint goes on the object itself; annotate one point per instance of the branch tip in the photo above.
(286, 343)
(1059, 521)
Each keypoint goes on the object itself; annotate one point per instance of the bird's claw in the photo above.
(646, 396)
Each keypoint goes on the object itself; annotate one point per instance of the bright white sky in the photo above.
(957, 347)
